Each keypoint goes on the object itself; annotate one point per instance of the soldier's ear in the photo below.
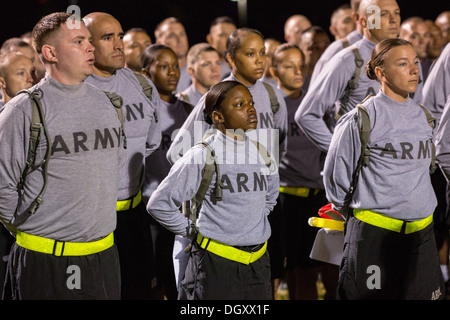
(380, 73)
(49, 53)
(217, 117)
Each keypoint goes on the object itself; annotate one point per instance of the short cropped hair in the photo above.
(47, 26)
(14, 42)
(170, 20)
(195, 51)
(223, 19)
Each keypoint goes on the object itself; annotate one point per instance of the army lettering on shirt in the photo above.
(249, 194)
(241, 183)
(134, 111)
(140, 124)
(407, 150)
(86, 141)
(265, 119)
(396, 181)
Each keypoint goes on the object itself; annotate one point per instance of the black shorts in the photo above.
(39, 276)
(210, 277)
(300, 235)
(383, 264)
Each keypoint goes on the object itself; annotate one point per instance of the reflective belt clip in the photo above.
(123, 205)
(58, 248)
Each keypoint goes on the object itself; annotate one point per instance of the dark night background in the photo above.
(268, 16)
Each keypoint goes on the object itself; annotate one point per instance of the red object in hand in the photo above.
(327, 212)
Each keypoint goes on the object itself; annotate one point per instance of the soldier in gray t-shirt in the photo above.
(228, 258)
(65, 249)
(389, 216)
(160, 64)
(132, 235)
(316, 113)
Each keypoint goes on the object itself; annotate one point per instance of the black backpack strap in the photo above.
(363, 122)
(37, 127)
(274, 104)
(117, 102)
(352, 83)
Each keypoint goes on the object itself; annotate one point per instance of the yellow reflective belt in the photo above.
(62, 248)
(299, 192)
(392, 224)
(128, 204)
(229, 252)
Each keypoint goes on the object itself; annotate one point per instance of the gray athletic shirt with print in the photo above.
(443, 142)
(141, 129)
(250, 192)
(396, 183)
(436, 89)
(328, 88)
(83, 172)
(332, 50)
(195, 126)
(300, 166)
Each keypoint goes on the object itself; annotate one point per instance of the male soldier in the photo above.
(17, 72)
(313, 43)
(443, 22)
(19, 45)
(316, 114)
(416, 31)
(203, 65)
(342, 22)
(132, 235)
(293, 28)
(219, 31)
(135, 41)
(64, 249)
(342, 43)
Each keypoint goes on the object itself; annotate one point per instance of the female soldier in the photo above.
(390, 250)
(301, 185)
(228, 259)
(246, 54)
(160, 64)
